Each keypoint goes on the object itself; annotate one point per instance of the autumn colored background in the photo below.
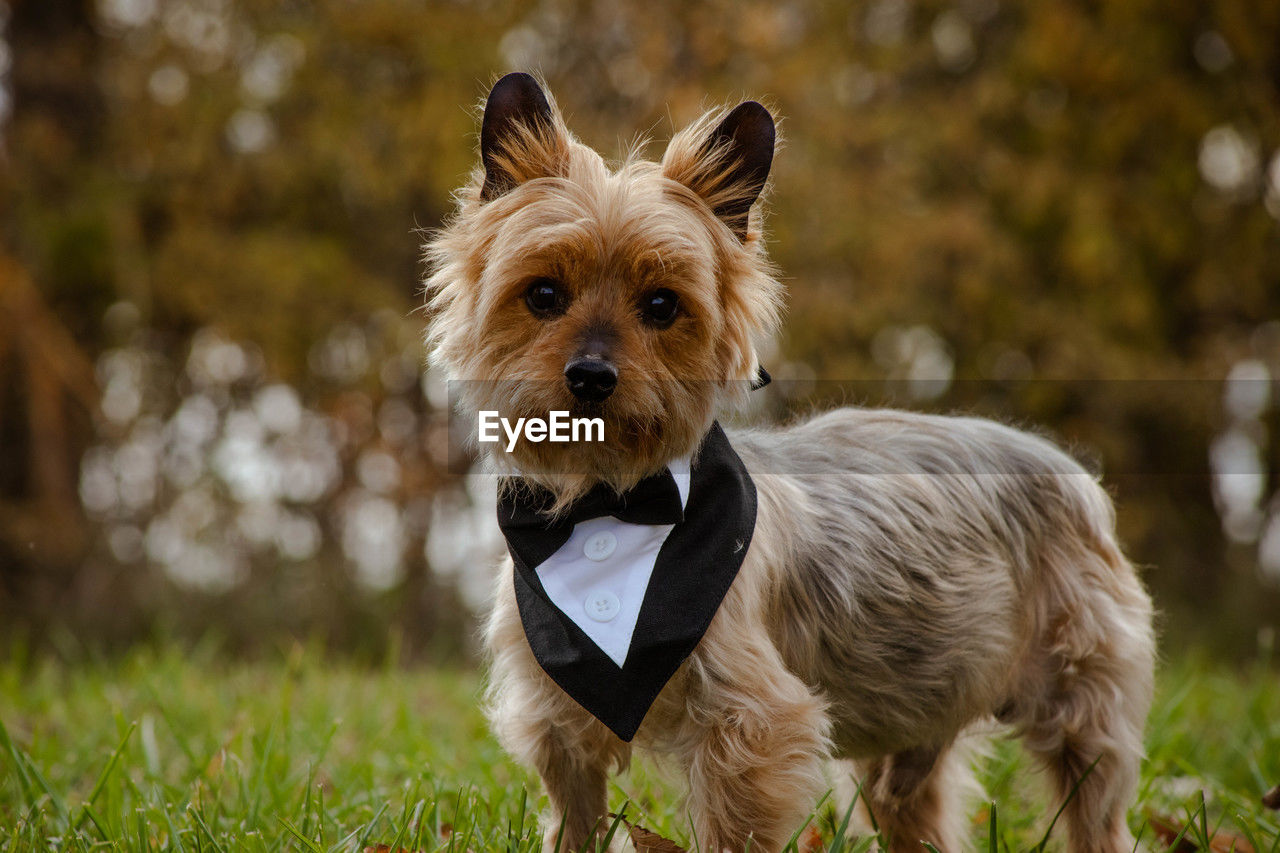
(214, 417)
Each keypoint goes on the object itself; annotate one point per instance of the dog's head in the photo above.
(635, 294)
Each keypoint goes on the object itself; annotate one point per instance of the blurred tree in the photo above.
(46, 378)
(46, 386)
(1066, 206)
(1064, 213)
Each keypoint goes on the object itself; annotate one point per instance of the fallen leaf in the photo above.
(646, 841)
(810, 840)
(1168, 830)
(1271, 799)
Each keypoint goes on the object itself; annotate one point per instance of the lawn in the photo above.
(161, 751)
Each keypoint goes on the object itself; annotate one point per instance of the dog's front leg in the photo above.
(575, 775)
(754, 740)
(572, 753)
(545, 729)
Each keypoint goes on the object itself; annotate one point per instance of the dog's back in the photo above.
(947, 569)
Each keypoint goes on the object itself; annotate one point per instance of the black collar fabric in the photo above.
(694, 569)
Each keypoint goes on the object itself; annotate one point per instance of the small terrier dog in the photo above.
(910, 578)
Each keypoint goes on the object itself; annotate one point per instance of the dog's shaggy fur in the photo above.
(910, 576)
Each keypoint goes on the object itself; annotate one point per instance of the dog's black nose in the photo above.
(591, 379)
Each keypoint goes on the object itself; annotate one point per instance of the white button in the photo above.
(600, 546)
(602, 605)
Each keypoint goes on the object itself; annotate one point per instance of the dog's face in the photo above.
(635, 295)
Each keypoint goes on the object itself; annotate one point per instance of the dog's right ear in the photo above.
(519, 138)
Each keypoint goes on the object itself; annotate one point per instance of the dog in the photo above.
(908, 577)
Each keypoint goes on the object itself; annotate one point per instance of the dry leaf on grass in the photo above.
(1271, 799)
(810, 840)
(1168, 830)
(646, 841)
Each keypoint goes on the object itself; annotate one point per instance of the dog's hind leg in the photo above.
(917, 795)
(1086, 692)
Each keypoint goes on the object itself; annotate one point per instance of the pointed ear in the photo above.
(730, 166)
(516, 111)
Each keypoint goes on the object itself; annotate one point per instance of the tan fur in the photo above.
(910, 577)
(609, 235)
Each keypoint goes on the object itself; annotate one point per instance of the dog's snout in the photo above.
(591, 379)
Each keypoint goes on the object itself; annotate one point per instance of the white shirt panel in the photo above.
(570, 578)
(599, 577)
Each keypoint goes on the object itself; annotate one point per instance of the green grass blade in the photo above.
(301, 838)
(204, 827)
(514, 835)
(613, 828)
(97, 823)
(101, 783)
(58, 805)
(363, 838)
(175, 837)
(1044, 840)
(837, 841)
(24, 781)
(560, 833)
(397, 840)
(793, 843)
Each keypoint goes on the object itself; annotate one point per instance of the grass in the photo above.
(158, 751)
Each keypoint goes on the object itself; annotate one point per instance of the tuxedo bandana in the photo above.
(617, 592)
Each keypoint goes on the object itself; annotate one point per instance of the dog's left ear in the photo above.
(730, 165)
(519, 137)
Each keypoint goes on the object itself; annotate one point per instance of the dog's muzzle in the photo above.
(591, 378)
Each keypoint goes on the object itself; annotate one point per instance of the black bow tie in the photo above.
(654, 500)
(530, 531)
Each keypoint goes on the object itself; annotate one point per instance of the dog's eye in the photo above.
(659, 308)
(546, 298)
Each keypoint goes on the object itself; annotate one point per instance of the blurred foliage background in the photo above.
(213, 412)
